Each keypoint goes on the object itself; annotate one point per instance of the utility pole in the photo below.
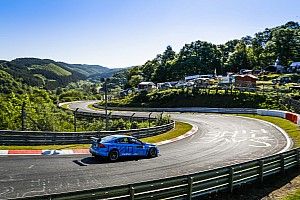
(149, 119)
(75, 122)
(105, 97)
(105, 80)
(23, 116)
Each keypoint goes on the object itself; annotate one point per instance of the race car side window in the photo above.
(122, 140)
(135, 141)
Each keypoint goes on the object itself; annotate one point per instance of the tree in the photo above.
(238, 59)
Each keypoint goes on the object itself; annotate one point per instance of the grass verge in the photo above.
(180, 129)
(91, 106)
(294, 196)
(66, 106)
(290, 128)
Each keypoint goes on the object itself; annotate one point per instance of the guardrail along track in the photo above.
(8, 137)
(193, 185)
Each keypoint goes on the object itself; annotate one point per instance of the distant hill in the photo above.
(105, 74)
(87, 70)
(50, 74)
(40, 72)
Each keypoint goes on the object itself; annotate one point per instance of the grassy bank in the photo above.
(294, 196)
(198, 98)
(180, 129)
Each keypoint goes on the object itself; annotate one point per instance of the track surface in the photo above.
(221, 140)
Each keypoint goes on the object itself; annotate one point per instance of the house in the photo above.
(245, 81)
(146, 86)
(189, 78)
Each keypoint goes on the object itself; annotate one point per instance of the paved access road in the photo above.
(221, 140)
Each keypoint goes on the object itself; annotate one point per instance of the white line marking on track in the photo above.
(263, 131)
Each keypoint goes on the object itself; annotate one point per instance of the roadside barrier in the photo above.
(293, 117)
(192, 185)
(8, 137)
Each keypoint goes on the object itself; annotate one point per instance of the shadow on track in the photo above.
(98, 161)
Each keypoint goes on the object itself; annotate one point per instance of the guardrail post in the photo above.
(190, 188)
(298, 156)
(231, 173)
(131, 192)
(261, 171)
(282, 164)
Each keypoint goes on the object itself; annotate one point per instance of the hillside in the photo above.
(106, 74)
(87, 70)
(40, 72)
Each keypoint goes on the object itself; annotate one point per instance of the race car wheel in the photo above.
(113, 155)
(152, 153)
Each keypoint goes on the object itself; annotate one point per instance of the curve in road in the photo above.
(220, 140)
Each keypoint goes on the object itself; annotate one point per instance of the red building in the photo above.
(247, 80)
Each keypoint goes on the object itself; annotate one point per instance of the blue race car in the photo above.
(115, 146)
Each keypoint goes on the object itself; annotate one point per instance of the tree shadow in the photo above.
(257, 191)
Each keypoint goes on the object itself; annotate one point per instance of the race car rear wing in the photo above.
(95, 139)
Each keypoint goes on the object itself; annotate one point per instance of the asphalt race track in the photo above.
(220, 140)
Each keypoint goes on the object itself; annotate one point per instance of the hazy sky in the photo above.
(120, 33)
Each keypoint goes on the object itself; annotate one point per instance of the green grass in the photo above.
(290, 128)
(93, 108)
(180, 129)
(66, 106)
(294, 196)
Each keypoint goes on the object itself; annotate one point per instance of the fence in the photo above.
(193, 185)
(292, 104)
(8, 137)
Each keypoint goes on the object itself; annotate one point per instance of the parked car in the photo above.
(181, 85)
(115, 146)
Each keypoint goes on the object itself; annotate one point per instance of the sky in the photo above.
(122, 33)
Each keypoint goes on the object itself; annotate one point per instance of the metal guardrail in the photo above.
(193, 185)
(113, 116)
(186, 109)
(8, 137)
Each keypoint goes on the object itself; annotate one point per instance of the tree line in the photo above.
(201, 57)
